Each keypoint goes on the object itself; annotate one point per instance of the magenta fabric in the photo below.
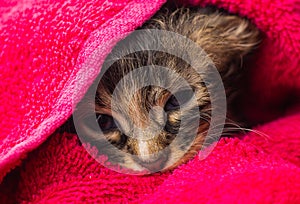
(43, 46)
(43, 50)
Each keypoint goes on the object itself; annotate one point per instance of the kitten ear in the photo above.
(226, 37)
(237, 35)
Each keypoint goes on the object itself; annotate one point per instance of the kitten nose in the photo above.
(155, 165)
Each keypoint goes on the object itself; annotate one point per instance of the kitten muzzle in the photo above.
(155, 165)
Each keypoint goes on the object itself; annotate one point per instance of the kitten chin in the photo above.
(227, 39)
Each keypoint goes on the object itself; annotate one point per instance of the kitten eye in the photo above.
(105, 122)
(179, 98)
(172, 104)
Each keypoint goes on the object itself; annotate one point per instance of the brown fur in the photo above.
(227, 39)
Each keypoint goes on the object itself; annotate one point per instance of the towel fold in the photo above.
(43, 49)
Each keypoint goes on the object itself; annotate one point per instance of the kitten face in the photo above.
(145, 124)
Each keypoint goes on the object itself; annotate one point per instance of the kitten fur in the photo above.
(227, 39)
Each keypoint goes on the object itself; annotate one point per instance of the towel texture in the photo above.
(40, 44)
(43, 49)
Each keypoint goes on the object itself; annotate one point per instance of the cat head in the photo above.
(145, 122)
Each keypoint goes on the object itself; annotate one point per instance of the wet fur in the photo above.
(227, 39)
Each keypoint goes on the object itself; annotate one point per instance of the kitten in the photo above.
(226, 38)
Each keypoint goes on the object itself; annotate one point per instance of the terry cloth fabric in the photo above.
(44, 46)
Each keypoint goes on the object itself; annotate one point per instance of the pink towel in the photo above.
(43, 47)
